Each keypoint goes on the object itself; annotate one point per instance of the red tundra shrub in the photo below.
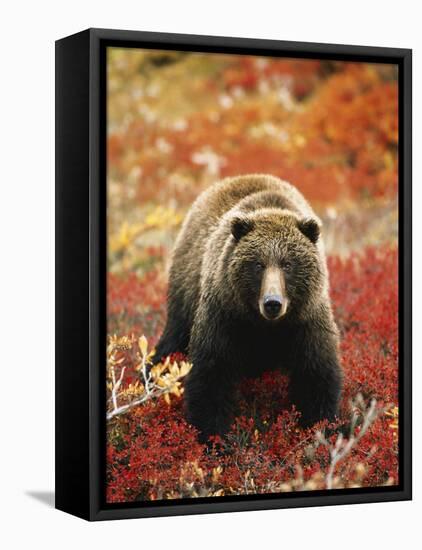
(365, 297)
(136, 304)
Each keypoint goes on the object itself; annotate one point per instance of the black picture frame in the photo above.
(81, 272)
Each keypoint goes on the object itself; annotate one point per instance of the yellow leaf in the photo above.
(185, 368)
(150, 355)
(143, 345)
(174, 369)
(175, 389)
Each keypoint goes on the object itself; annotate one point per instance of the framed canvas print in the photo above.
(233, 274)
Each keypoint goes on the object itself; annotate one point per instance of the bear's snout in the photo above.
(273, 300)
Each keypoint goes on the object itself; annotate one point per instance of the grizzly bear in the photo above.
(248, 292)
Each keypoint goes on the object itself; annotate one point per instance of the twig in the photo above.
(124, 408)
(340, 449)
(116, 385)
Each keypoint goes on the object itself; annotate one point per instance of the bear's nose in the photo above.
(272, 305)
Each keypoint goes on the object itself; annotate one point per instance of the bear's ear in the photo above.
(241, 227)
(310, 228)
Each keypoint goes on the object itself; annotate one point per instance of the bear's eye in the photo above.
(287, 266)
(259, 267)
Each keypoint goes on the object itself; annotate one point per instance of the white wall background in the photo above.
(27, 271)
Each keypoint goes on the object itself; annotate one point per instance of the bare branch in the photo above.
(342, 447)
(116, 385)
(153, 382)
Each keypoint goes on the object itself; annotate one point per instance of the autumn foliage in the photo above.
(331, 129)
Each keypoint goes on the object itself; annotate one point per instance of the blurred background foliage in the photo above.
(178, 121)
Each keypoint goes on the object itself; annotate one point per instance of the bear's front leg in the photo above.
(316, 376)
(209, 396)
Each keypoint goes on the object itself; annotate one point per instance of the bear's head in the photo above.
(275, 267)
